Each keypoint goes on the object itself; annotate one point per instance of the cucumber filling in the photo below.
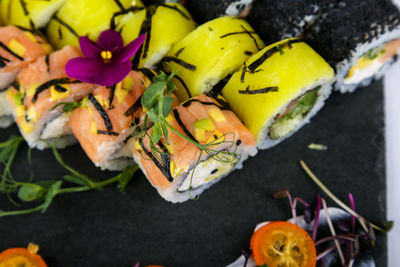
(296, 111)
(208, 170)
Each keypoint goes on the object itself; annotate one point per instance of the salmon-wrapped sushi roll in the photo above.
(279, 89)
(38, 89)
(102, 123)
(18, 48)
(182, 170)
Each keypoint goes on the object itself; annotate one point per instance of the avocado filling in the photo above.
(372, 61)
(296, 111)
(208, 170)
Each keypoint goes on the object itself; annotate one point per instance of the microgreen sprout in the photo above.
(47, 190)
(157, 100)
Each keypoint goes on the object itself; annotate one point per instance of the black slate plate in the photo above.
(112, 229)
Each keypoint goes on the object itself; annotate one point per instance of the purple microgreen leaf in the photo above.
(343, 226)
(353, 207)
(137, 264)
(332, 229)
(316, 220)
(308, 214)
(280, 194)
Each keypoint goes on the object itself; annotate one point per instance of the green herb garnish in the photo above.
(280, 50)
(158, 100)
(374, 53)
(68, 106)
(46, 191)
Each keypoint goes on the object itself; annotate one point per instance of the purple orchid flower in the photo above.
(105, 63)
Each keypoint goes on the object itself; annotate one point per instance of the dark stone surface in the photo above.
(111, 229)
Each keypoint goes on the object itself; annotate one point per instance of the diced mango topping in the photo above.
(176, 171)
(93, 128)
(32, 114)
(85, 103)
(216, 135)
(138, 147)
(25, 126)
(200, 134)
(47, 48)
(99, 99)
(31, 36)
(121, 93)
(216, 114)
(170, 148)
(17, 47)
(57, 95)
(31, 89)
(128, 83)
(169, 118)
(20, 111)
(205, 124)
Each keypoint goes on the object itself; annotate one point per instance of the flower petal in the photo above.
(128, 51)
(83, 69)
(113, 73)
(89, 48)
(110, 40)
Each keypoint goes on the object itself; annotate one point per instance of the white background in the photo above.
(392, 121)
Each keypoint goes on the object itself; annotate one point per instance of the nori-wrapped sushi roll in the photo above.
(206, 10)
(359, 38)
(278, 20)
(279, 89)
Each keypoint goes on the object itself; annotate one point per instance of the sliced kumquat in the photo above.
(283, 244)
(27, 257)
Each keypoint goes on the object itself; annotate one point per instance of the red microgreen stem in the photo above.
(329, 238)
(353, 207)
(327, 251)
(316, 219)
(332, 229)
(293, 207)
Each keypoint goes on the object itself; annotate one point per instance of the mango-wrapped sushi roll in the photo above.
(30, 14)
(279, 89)
(18, 48)
(78, 18)
(38, 89)
(164, 26)
(182, 170)
(102, 123)
(210, 53)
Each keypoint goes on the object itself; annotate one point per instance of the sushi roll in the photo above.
(164, 26)
(209, 54)
(278, 20)
(182, 171)
(102, 123)
(38, 89)
(18, 48)
(279, 89)
(361, 39)
(83, 18)
(30, 14)
(206, 10)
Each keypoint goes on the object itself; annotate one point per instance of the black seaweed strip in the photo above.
(190, 101)
(134, 107)
(259, 91)
(178, 61)
(248, 53)
(60, 89)
(143, 29)
(184, 85)
(234, 33)
(159, 166)
(251, 36)
(148, 73)
(50, 83)
(179, 52)
(101, 111)
(23, 5)
(10, 51)
(63, 23)
(165, 157)
(111, 97)
(107, 133)
(47, 59)
(3, 89)
(3, 61)
(127, 139)
(187, 132)
(123, 12)
(60, 35)
(253, 66)
(120, 6)
(32, 24)
(149, 17)
(27, 30)
(176, 9)
(15, 84)
(244, 68)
